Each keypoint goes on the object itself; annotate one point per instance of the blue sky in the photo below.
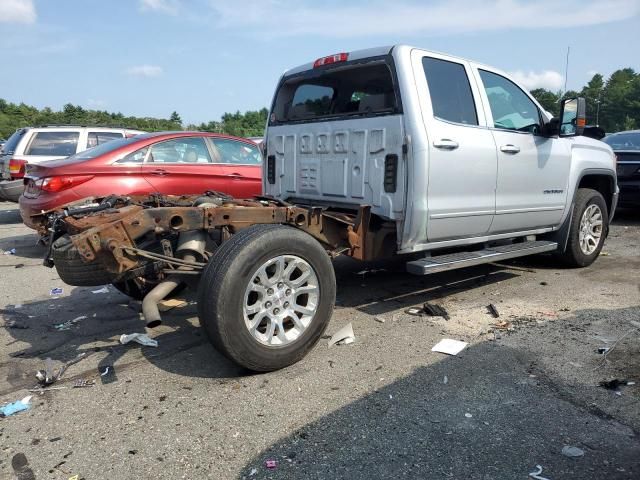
(205, 57)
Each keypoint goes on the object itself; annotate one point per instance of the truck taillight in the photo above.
(337, 58)
(16, 168)
(57, 184)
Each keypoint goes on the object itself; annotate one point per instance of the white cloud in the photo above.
(144, 71)
(548, 79)
(408, 17)
(17, 11)
(591, 73)
(162, 6)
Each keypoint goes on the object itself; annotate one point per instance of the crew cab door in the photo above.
(533, 170)
(461, 153)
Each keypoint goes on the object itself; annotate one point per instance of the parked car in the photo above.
(626, 146)
(39, 144)
(375, 153)
(171, 163)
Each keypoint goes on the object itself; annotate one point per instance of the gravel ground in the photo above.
(382, 407)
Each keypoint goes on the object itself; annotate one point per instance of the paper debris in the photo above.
(449, 346)
(166, 305)
(271, 464)
(141, 338)
(344, 336)
(10, 252)
(56, 291)
(104, 289)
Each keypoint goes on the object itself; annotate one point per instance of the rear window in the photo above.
(622, 141)
(12, 143)
(98, 138)
(55, 144)
(347, 90)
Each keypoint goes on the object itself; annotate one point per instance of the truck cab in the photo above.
(450, 151)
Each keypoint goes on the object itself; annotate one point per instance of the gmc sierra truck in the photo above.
(373, 154)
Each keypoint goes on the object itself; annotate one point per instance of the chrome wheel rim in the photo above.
(281, 300)
(590, 229)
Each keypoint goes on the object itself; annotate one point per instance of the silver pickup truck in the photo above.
(373, 154)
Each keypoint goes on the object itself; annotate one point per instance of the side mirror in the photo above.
(573, 117)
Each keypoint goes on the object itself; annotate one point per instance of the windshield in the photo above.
(623, 141)
(103, 148)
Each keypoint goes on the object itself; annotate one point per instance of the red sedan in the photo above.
(171, 163)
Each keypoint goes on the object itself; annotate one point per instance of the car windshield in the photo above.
(623, 141)
(103, 148)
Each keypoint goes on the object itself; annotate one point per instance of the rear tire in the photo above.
(73, 270)
(588, 229)
(252, 287)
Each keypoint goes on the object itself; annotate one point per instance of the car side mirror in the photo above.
(573, 117)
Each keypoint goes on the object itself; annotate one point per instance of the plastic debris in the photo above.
(84, 382)
(603, 350)
(104, 289)
(16, 407)
(107, 374)
(449, 346)
(10, 252)
(379, 319)
(493, 310)
(344, 336)
(69, 323)
(17, 325)
(56, 291)
(536, 474)
(569, 451)
(418, 312)
(468, 415)
(141, 338)
(445, 380)
(75, 477)
(253, 472)
(271, 464)
(433, 310)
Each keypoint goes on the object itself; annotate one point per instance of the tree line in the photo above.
(613, 104)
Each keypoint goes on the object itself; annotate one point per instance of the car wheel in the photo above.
(587, 230)
(266, 296)
(73, 270)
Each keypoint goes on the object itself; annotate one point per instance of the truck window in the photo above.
(510, 107)
(450, 91)
(98, 138)
(362, 89)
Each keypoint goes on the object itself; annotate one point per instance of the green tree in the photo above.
(550, 101)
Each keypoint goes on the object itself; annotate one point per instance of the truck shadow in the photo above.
(495, 416)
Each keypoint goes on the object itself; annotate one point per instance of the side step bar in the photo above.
(452, 261)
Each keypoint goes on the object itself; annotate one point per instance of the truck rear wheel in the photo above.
(266, 296)
(587, 230)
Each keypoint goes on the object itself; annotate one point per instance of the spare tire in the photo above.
(73, 270)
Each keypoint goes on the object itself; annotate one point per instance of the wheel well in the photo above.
(601, 183)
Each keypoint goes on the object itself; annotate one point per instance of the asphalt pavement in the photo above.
(385, 406)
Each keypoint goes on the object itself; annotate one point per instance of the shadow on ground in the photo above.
(484, 414)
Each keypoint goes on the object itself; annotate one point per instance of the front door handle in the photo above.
(159, 172)
(445, 144)
(235, 176)
(509, 148)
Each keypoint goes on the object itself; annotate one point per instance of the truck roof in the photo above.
(373, 52)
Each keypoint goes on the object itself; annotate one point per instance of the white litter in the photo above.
(468, 415)
(344, 336)
(537, 473)
(17, 306)
(69, 323)
(254, 471)
(445, 380)
(104, 289)
(569, 451)
(449, 346)
(141, 338)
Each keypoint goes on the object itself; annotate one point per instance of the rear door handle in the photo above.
(159, 172)
(509, 148)
(235, 176)
(445, 144)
